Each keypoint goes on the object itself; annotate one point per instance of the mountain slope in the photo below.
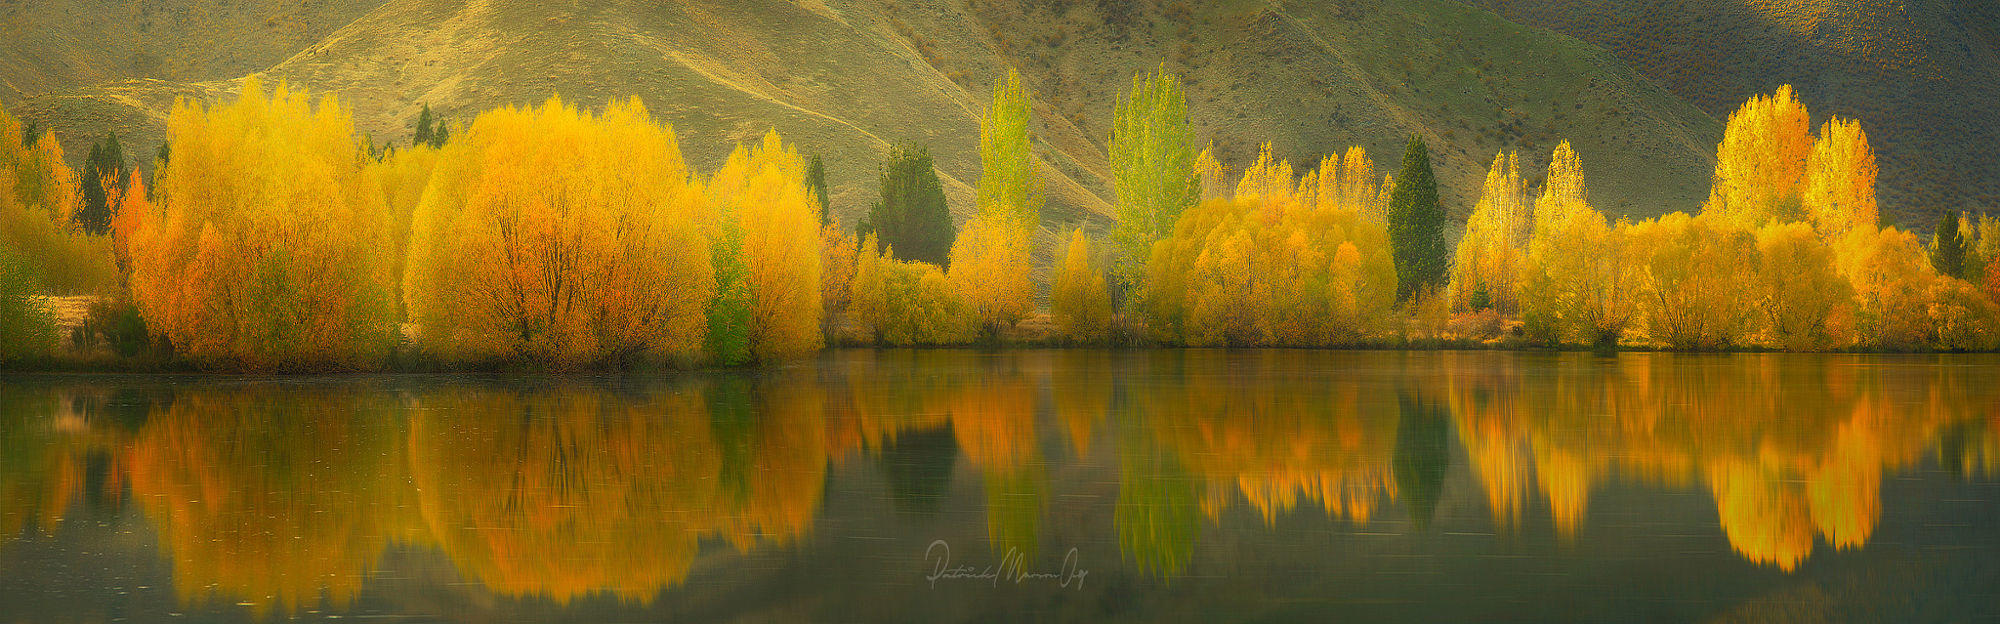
(1919, 74)
(847, 78)
(55, 46)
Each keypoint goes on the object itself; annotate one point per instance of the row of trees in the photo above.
(558, 235)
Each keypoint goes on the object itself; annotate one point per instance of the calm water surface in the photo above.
(1033, 485)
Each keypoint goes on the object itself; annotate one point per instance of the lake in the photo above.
(958, 485)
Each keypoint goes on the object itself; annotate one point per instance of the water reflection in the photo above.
(284, 495)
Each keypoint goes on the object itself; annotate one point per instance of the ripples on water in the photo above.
(1196, 486)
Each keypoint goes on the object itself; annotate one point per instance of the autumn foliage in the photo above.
(266, 246)
(558, 235)
(566, 237)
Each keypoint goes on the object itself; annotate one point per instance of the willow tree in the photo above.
(1153, 154)
(990, 261)
(560, 236)
(39, 199)
(761, 192)
(1577, 282)
(266, 247)
(1079, 302)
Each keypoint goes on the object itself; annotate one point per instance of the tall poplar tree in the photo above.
(1947, 249)
(816, 180)
(1152, 165)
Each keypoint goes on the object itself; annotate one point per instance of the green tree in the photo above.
(1152, 165)
(912, 219)
(103, 185)
(728, 340)
(816, 180)
(424, 121)
(1947, 248)
(1009, 187)
(431, 129)
(1416, 224)
(26, 328)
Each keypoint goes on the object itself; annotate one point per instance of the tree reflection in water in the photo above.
(285, 495)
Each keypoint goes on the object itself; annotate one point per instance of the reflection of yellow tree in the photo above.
(993, 417)
(41, 463)
(1791, 449)
(563, 494)
(1277, 434)
(270, 496)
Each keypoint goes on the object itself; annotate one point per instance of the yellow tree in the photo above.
(1760, 166)
(266, 247)
(1283, 263)
(990, 261)
(1080, 303)
(1807, 305)
(904, 303)
(837, 258)
(1839, 190)
(562, 237)
(403, 175)
(39, 195)
(1693, 273)
(1892, 282)
(762, 191)
(1577, 283)
(1487, 263)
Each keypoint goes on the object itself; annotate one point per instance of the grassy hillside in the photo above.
(1918, 74)
(847, 78)
(55, 46)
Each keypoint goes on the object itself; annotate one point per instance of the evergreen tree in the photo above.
(1947, 249)
(424, 121)
(912, 219)
(104, 180)
(816, 180)
(1416, 224)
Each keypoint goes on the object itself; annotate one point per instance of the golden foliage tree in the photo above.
(1839, 192)
(1487, 263)
(991, 270)
(761, 191)
(838, 252)
(39, 195)
(1760, 166)
(561, 236)
(1693, 275)
(902, 303)
(1578, 280)
(267, 246)
(1080, 303)
(990, 261)
(1282, 263)
(1892, 281)
(1806, 304)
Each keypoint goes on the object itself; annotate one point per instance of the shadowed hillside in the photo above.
(1916, 73)
(846, 79)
